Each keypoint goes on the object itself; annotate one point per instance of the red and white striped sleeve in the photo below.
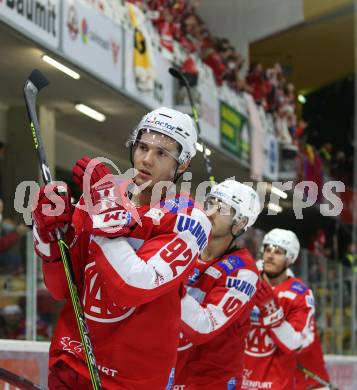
(230, 299)
(161, 263)
(296, 331)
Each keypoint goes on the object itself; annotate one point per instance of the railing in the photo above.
(334, 288)
(27, 310)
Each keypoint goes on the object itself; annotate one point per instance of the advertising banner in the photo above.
(234, 132)
(271, 153)
(209, 114)
(37, 19)
(146, 71)
(93, 41)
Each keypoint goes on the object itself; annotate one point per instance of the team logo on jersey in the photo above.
(240, 285)
(185, 222)
(259, 343)
(231, 264)
(298, 287)
(96, 303)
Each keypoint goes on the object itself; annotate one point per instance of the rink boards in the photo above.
(30, 359)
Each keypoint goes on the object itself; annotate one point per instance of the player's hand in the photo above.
(90, 171)
(52, 210)
(112, 214)
(270, 310)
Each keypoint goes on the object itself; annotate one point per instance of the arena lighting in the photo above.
(301, 98)
(274, 207)
(278, 192)
(200, 149)
(90, 112)
(61, 67)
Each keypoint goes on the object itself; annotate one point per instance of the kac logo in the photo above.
(96, 303)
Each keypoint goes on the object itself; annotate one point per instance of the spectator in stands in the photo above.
(259, 87)
(10, 235)
(166, 30)
(317, 243)
(13, 320)
(350, 259)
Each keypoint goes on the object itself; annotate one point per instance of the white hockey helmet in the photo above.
(285, 239)
(242, 198)
(173, 124)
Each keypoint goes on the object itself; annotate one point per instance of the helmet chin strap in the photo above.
(235, 236)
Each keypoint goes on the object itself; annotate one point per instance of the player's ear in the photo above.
(182, 168)
(239, 226)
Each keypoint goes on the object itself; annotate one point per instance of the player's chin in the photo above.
(269, 268)
(141, 181)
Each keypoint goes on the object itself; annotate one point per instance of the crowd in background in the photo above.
(178, 20)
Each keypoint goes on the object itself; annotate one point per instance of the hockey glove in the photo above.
(112, 214)
(90, 171)
(52, 210)
(272, 314)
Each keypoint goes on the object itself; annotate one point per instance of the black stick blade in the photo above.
(175, 73)
(179, 75)
(38, 79)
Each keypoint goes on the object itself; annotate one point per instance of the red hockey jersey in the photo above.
(312, 359)
(131, 290)
(271, 353)
(215, 320)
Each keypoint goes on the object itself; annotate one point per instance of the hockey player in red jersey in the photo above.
(312, 359)
(281, 320)
(129, 274)
(220, 295)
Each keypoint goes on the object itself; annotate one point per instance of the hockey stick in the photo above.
(316, 377)
(180, 76)
(18, 381)
(33, 85)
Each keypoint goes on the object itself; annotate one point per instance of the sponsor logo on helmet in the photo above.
(165, 125)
